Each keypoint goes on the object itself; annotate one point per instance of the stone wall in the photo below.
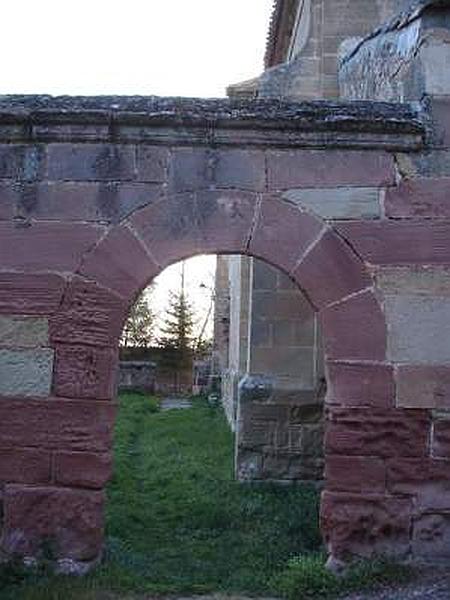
(100, 194)
(310, 68)
(137, 376)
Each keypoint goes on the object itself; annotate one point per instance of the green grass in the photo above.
(177, 522)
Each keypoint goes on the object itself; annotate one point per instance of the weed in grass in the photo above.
(307, 578)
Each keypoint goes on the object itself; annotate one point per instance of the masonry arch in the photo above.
(110, 275)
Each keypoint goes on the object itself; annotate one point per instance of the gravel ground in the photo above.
(432, 585)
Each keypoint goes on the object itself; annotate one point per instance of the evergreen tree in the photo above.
(178, 325)
(139, 327)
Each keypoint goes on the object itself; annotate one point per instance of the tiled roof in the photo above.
(281, 26)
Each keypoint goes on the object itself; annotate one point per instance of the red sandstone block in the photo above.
(241, 169)
(330, 271)
(121, 263)
(423, 386)
(354, 329)
(46, 246)
(399, 242)
(328, 168)
(20, 161)
(365, 525)
(71, 519)
(426, 479)
(89, 314)
(283, 233)
(57, 424)
(188, 224)
(152, 163)
(85, 372)
(85, 201)
(191, 169)
(20, 465)
(377, 432)
(169, 229)
(441, 439)
(8, 200)
(355, 474)
(30, 294)
(360, 385)
(90, 162)
(419, 198)
(225, 219)
(82, 469)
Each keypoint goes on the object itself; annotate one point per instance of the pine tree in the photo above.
(178, 325)
(139, 327)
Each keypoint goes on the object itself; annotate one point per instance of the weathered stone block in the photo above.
(425, 479)
(432, 164)
(169, 229)
(422, 280)
(85, 372)
(70, 520)
(46, 246)
(24, 465)
(431, 536)
(360, 384)
(26, 372)
(152, 163)
(120, 262)
(331, 168)
(30, 294)
(255, 388)
(8, 201)
(399, 242)
(89, 314)
(426, 198)
(338, 203)
(90, 162)
(85, 201)
(224, 220)
(191, 169)
(423, 386)
(23, 332)
(241, 169)
(418, 329)
(341, 271)
(298, 229)
(82, 469)
(80, 425)
(354, 329)
(377, 432)
(187, 224)
(355, 474)
(365, 525)
(21, 162)
(248, 465)
(440, 445)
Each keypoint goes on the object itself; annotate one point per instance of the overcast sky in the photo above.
(161, 47)
(144, 47)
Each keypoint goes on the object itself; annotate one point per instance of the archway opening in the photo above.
(245, 404)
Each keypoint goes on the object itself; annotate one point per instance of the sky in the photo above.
(137, 47)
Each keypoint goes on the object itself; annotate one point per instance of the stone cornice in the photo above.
(194, 121)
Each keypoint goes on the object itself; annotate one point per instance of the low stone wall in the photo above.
(278, 437)
(138, 376)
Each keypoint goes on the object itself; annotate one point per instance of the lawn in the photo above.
(177, 522)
